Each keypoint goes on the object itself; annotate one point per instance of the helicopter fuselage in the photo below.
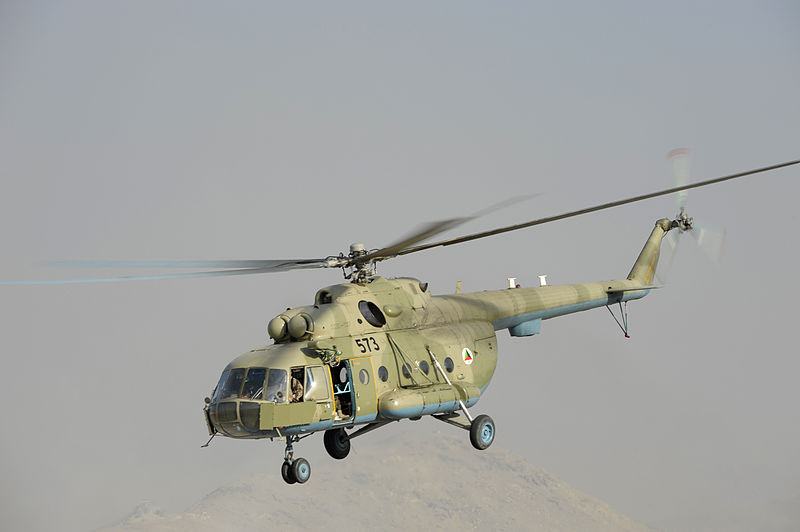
(385, 350)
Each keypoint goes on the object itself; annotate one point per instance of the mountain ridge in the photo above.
(438, 482)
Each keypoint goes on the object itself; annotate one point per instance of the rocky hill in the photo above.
(439, 482)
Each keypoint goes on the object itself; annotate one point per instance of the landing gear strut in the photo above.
(481, 429)
(294, 470)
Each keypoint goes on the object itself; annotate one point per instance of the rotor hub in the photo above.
(683, 221)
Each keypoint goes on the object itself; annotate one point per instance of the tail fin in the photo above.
(644, 269)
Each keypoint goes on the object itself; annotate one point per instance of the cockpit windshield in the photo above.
(233, 384)
(248, 383)
(254, 383)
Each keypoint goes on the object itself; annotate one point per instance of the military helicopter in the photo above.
(373, 351)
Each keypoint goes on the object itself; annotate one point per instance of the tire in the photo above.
(481, 432)
(287, 474)
(301, 470)
(337, 443)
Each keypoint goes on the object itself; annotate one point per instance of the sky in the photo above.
(196, 130)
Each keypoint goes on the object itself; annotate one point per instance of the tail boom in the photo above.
(644, 269)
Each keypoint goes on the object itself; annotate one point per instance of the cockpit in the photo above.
(250, 402)
(249, 383)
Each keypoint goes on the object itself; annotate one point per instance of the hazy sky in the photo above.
(180, 130)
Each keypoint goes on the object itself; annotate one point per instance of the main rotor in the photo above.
(360, 264)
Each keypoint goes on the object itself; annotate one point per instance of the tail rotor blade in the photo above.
(679, 158)
(669, 249)
(711, 241)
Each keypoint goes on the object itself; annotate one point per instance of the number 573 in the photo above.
(367, 344)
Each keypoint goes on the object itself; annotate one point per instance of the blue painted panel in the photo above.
(526, 328)
(366, 419)
(311, 427)
(512, 321)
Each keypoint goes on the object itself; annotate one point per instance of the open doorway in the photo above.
(342, 390)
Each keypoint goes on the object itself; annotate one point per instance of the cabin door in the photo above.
(366, 394)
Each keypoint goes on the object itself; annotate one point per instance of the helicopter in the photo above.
(373, 351)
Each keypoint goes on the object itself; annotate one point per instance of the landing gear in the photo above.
(286, 473)
(294, 470)
(301, 470)
(481, 432)
(337, 443)
(481, 429)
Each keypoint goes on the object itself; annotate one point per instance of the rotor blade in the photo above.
(205, 264)
(711, 242)
(587, 210)
(279, 266)
(425, 232)
(680, 174)
(431, 229)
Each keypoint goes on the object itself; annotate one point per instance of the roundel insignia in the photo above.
(466, 354)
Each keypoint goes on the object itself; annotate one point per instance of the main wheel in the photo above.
(301, 470)
(286, 473)
(337, 443)
(481, 432)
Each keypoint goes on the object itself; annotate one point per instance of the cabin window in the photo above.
(406, 370)
(363, 376)
(316, 385)
(383, 373)
(234, 384)
(448, 365)
(424, 367)
(276, 386)
(254, 383)
(372, 313)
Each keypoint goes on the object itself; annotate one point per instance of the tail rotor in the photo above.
(711, 241)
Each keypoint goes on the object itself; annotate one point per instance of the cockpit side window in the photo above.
(297, 384)
(317, 387)
(233, 384)
(276, 386)
(254, 383)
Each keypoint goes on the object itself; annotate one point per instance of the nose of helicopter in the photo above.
(234, 418)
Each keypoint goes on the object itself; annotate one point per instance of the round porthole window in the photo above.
(424, 367)
(343, 375)
(406, 371)
(448, 364)
(383, 373)
(372, 313)
(363, 376)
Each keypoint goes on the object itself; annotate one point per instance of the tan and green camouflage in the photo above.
(368, 352)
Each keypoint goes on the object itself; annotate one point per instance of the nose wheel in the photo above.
(294, 470)
(286, 473)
